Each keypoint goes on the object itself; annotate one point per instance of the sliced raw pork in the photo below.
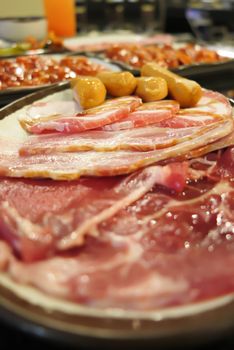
(212, 109)
(147, 114)
(212, 106)
(72, 165)
(38, 217)
(136, 139)
(164, 249)
(109, 112)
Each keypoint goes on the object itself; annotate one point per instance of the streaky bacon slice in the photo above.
(186, 120)
(212, 102)
(109, 112)
(60, 214)
(72, 165)
(222, 143)
(148, 113)
(136, 139)
(212, 106)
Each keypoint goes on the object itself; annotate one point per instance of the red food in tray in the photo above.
(28, 71)
(165, 55)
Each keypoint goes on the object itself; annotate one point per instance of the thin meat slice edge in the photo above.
(110, 111)
(136, 139)
(70, 166)
(147, 114)
(212, 108)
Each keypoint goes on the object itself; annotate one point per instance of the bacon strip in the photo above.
(136, 139)
(188, 123)
(212, 102)
(149, 113)
(213, 106)
(68, 166)
(109, 112)
(219, 144)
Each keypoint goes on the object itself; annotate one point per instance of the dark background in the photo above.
(11, 338)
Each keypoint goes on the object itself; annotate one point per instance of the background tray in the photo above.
(11, 94)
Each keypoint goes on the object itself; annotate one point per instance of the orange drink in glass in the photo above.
(61, 17)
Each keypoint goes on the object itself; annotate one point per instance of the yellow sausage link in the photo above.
(186, 92)
(88, 91)
(151, 89)
(118, 83)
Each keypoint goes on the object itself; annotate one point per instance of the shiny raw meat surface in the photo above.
(163, 247)
(39, 218)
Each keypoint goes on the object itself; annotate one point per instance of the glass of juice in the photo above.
(61, 17)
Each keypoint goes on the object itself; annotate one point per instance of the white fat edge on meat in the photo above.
(196, 117)
(92, 163)
(150, 136)
(132, 251)
(52, 275)
(210, 101)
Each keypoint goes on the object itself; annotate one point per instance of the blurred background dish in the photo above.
(26, 74)
(18, 28)
(32, 46)
(96, 41)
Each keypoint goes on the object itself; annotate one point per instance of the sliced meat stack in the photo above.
(109, 112)
(147, 221)
(97, 152)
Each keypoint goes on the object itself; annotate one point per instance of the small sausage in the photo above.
(118, 83)
(151, 89)
(88, 91)
(186, 92)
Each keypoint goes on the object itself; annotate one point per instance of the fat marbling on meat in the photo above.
(164, 249)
